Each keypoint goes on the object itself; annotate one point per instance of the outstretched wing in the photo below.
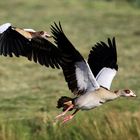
(38, 49)
(103, 62)
(76, 71)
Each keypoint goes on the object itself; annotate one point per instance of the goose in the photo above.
(34, 45)
(89, 81)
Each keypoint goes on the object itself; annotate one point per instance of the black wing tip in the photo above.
(56, 27)
(57, 24)
(113, 38)
(112, 42)
(103, 54)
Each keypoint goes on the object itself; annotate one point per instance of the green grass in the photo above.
(112, 127)
(29, 92)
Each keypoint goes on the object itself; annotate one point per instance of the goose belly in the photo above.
(86, 102)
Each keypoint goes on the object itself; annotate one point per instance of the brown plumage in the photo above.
(29, 33)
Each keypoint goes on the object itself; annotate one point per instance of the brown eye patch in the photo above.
(116, 91)
(41, 32)
(127, 91)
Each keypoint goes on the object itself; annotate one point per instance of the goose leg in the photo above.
(69, 117)
(63, 113)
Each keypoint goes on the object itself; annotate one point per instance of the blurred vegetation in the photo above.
(29, 92)
(41, 127)
(135, 3)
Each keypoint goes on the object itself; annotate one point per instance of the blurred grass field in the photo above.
(29, 92)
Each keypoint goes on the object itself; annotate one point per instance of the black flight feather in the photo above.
(69, 57)
(103, 55)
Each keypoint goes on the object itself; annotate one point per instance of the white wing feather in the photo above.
(105, 77)
(4, 27)
(85, 78)
(29, 30)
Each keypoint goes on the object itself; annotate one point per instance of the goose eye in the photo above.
(41, 32)
(116, 91)
(127, 91)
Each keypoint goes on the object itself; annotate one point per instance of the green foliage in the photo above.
(135, 3)
(29, 92)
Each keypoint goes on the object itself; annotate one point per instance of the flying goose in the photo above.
(28, 43)
(89, 81)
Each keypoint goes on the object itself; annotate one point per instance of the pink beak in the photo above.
(47, 35)
(133, 95)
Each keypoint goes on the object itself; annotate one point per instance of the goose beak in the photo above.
(133, 95)
(47, 35)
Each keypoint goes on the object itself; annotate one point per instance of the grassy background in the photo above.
(29, 92)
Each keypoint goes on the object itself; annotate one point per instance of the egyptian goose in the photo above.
(89, 81)
(28, 43)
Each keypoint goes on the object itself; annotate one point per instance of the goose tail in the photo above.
(64, 102)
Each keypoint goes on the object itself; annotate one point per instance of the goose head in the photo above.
(125, 93)
(44, 34)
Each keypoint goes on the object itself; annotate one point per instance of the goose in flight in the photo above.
(34, 45)
(89, 81)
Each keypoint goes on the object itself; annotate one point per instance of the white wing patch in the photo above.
(105, 77)
(29, 30)
(85, 79)
(4, 27)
